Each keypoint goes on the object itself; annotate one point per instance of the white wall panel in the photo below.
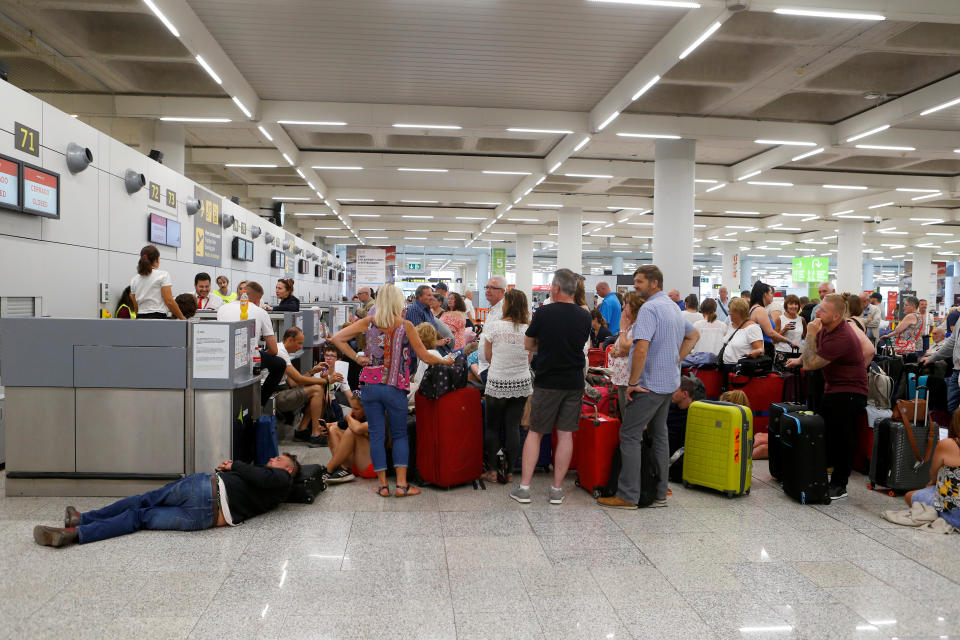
(79, 222)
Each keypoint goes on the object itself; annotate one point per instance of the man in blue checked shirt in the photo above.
(661, 339)
(418, 312)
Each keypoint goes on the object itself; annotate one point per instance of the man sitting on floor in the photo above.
(199, 501)
(305, 391)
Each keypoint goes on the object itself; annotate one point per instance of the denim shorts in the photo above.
(927, 495)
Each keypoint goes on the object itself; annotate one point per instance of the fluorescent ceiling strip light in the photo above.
(945, 105)
(544, 205)
(806, 155)
(852, 217)
(878, 206)
(418, 217)
(926, 220)
(824, 13)
(208, 69)
(749, 175)
(422, 170)
(414, 238)
(705, 181)
(679, 4)
(288, 198)
(377, 237)
(300, 173)
(654, 80)
(588, 175)
(787, 143)
(883, 147)
(611, 118)
(507, 173)
(745, 213)
(555, 167)
(929, 195)
(235, 165)
(310, 215)
(845, 186)
(162, 17)
(264, 132)
(653, 136)
(190, 119)
(559, 132)
(696, 43)
(909, 190)
(330, 168)
(421, 201)
(486, 204)
(523, 219)
(242, 107)
(367, 229)
(310, 184)
(770, 184)
(931, 233)
(313, 123)
(401, 125)
(582, 144)
(355, 199)
(717, 188)
(468, 218)
(868, 133)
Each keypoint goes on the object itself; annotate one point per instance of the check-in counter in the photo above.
(314, 335)
(119, 407)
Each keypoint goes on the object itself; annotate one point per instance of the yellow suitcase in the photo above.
(718, 449)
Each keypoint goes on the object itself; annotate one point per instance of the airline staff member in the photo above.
(201, 284)
(151, 290)
(224, 292)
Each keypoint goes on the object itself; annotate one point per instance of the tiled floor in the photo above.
(475, 564)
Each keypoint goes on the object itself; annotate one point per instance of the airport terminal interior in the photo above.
(281, 172)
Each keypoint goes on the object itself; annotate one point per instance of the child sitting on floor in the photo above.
(349, 442)
(760, 441)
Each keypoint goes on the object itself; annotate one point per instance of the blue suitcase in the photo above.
(265, 437)
(545, 459)
(912, 386)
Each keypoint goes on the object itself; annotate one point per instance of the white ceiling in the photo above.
(485, 66)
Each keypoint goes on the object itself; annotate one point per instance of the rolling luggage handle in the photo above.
(596, 411)
(921, 459)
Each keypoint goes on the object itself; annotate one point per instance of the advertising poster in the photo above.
(207, 230)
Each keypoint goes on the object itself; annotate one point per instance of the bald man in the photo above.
(363, 295)
(674, 295)
(610, 307)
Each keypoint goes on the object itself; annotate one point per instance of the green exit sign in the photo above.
(414, 266)
(811, 269)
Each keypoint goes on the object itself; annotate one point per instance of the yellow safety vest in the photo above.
(133, 316)
(226, 299)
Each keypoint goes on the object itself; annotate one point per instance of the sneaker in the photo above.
(615, 502)
(317, 441)
(337, 476)
(659, 502)
(556, 496)
(838, 492)
(520, 495)
(301, 435)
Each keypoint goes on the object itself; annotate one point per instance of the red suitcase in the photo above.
(597, 357)
(603, 405)
(573, 457)
(450, 437)
(762, 391)
(712, 381)
(596, 440)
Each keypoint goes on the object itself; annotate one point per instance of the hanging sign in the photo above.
(498, 259)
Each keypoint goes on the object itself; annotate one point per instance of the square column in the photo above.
(730, 267)
(570, 238)
(849, 256)
(483, 268)
(617, 266)
(867, 282)
(524, 268)
(921, 276)
(673, 194)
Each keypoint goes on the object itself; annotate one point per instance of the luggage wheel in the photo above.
(729, 494)
(686, 485)
(870, 486)
(577, 482)
(892, 493)
(596, 493)
(747, 492)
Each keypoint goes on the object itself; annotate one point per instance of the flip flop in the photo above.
(407, 491)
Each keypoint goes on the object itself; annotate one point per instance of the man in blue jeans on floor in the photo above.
(661, 339)
(199, 501)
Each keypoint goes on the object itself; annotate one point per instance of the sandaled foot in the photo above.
(403, 492)
(489, 476)
(383, 491)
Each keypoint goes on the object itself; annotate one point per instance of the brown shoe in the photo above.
(54, 537)
(615, 503)
(71, 517)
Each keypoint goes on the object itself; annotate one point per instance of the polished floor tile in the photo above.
(464, 563)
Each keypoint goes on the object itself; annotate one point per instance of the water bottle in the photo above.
(244, 301)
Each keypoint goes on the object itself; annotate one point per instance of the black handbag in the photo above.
(753, 367)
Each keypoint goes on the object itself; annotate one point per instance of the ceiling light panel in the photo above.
(825, 13)
(449, 127)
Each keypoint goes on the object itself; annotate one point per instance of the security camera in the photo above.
(877, 220)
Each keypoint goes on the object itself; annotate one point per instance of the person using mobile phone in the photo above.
(790, 325)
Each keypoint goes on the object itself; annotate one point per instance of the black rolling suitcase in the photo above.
(774, 450)
(903, 450)
(803, 452)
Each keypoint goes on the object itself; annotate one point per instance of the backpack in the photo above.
(307, 485)
(440, 379)
(879, 388)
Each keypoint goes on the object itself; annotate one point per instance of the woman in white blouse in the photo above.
(712, 331)
(744, 338)
(690, 305)
(151, 289)
(508, 381)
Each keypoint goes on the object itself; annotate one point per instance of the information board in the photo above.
(811, 269)
(208, 234)
(371, 267)
(41, 192)
(498, 262)
(9, 183)
(211, 350)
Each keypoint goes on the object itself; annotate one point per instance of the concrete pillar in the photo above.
(524, 265)
(729, 267)
(746, 284)
(483, 268)
(170, 138)
(849, 256)
(673, 193)
(921, 275)
(470, 277)
(570, 239)
(867, 283)
(617, 269)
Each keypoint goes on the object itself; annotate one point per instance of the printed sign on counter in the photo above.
(211, 350)
(9, 184)
(241, 356)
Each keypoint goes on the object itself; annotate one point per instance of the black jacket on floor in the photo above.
(254, 489)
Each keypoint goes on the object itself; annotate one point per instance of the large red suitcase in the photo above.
(596, 439)
(711, 379)
(603, 405)
(762, 391)
(597, 357)
(450, 437)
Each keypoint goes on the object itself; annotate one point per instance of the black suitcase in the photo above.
(936, 393)
(894, 463)
(774, 452)
(804, 457)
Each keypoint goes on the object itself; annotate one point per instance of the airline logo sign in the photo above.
(208, 235)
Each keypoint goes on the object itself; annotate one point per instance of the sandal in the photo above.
(407, 491)
(381, 489)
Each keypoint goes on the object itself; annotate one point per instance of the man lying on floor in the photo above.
(237, 491)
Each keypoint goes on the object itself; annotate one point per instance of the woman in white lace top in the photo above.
(508, 381)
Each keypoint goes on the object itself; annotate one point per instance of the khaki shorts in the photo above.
(555, 408)
(291, 399)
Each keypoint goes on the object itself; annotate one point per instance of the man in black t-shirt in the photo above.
(558, 333)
